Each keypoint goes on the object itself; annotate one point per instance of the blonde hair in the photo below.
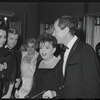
(31, 40)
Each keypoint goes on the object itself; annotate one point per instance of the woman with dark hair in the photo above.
(7, 71)
(46, 74)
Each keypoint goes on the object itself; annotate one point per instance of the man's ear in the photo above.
(66, 30)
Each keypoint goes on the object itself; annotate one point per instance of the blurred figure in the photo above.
(97, 48)
(28, 65)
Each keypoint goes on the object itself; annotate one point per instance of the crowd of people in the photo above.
(37, 70)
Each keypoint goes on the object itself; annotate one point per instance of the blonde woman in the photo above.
(28, 65)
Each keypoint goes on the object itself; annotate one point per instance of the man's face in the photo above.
(12, 40)
(59, 34)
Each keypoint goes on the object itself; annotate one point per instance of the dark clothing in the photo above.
(98, 59)
(82, 73)
(7, 75)
(45, 79)
(18, 56)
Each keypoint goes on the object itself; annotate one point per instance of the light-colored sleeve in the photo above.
(33, 62)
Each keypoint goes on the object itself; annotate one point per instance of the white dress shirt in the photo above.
(69, 45)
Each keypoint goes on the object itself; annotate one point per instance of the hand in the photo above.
(18, 80)
(16, 94)
(3, 66)
(26, 97)
(49, 94)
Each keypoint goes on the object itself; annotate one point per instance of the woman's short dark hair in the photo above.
(48, 38)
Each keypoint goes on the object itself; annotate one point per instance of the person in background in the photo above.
(12, 40)
(80, 70)
(28, 65)
(7, 67)
(46, 76)
(97, 48)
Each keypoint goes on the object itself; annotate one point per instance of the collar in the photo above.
(71, 43)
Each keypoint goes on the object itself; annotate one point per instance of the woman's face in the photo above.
(46, 50)
(2, 37)
(30, 48)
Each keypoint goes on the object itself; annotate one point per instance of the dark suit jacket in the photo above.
(82, 73)
(18, 55)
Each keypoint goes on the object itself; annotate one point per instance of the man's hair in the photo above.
(67, 21)
(3, 29)
(48, 38)
(12, 31)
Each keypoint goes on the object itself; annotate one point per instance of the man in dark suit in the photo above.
(12, 40)
(80, 72)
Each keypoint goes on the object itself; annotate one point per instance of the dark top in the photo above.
(18, 56)
(9, 73)
(45, 79)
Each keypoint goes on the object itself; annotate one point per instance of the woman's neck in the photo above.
(31, 55)
(49, 60)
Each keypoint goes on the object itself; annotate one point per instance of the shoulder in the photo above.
(4, 51)
(84, 47)
(88, 53)
(88, 48)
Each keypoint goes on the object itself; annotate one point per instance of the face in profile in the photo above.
(59, 34)
(12, 40)
(46, 50)
(2, 37)
(30, 48)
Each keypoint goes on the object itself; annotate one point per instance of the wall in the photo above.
(33, 12)
(52, 10)
(94, 7)
(28, 13)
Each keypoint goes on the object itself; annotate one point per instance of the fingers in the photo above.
(16, 94)
(47, 94)
(1, 67)
(5, 65)
(17, 83)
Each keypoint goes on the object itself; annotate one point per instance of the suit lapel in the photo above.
(71, 54)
